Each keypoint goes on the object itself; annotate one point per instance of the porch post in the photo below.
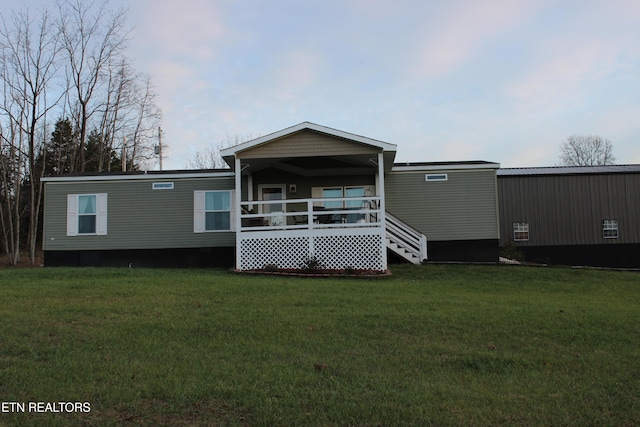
(238, 219)
(383, 221)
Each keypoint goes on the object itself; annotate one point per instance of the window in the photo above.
(610, 228)
(436, 177)
(332, 193)
(340, 192)
(162, 186)
(86, 214)
(213, 211)
(520, 231)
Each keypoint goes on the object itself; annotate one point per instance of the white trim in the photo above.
(200, 211)
(238, 211)
(609, 225)
(382, 207)
(149, 176)
(520, 227)
(451, 167)
(73, 214)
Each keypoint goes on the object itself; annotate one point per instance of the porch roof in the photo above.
(346, 148)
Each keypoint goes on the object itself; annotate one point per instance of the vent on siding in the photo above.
(432, 177)
(162, 186)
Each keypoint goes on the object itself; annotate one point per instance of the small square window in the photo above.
(520, 231)
(610, 228)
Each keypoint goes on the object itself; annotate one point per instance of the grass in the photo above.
(431, 345)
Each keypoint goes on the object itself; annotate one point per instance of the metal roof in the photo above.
(569, 170)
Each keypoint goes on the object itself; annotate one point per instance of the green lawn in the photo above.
(430, 345)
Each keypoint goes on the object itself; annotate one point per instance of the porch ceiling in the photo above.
(360, 164)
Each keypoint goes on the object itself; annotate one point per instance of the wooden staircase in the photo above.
(404, 240)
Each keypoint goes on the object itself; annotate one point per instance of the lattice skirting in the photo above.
(334, 252)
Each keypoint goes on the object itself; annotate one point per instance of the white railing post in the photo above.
(382, 209)
(238, 216)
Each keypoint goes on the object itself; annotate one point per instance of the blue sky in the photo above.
(498, 80)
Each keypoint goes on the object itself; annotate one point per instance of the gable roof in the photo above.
(229, 153)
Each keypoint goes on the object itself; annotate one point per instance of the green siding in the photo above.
(137, 216)
(462, 208)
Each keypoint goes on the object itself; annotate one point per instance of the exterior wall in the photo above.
(464, 207)
(306, 143)
(303, 183)
(138, 217)
(569, 209)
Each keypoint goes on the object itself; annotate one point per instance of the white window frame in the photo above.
(610, 229)
(318, 193)
(519, 228)
(73, 216)
(436, 177)
(200, 213)
(162, 186)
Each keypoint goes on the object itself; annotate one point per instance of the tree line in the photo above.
(71, 101)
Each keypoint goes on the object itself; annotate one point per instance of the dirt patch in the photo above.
(25, 262)
(318, 273)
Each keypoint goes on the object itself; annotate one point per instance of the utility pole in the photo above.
(160, 145)
(124, 154)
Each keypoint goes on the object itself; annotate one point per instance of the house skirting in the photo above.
(333, 249)
(170, 258)
(619, 255)
(486, 250)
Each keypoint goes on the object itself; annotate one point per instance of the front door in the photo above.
(273, 192)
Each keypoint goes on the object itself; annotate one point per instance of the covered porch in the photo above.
(310, 195)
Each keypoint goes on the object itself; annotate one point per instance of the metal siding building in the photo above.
(565, 209)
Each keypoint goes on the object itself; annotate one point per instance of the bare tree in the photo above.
(144, 122)
(12, 164)
(589, 150)
(29, 63)
(92, 39)
(210, 158)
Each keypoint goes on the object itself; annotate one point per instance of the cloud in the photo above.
(188, 29)
(563, 76)
(461, 31)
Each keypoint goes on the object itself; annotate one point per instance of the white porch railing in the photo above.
(297, 214)
(405, 240)
(289, 233)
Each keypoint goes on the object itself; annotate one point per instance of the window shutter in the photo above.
(101, 214)
(198, 212)
(72, 215)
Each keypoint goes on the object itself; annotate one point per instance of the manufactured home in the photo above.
(308, 193)
(587, 215)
